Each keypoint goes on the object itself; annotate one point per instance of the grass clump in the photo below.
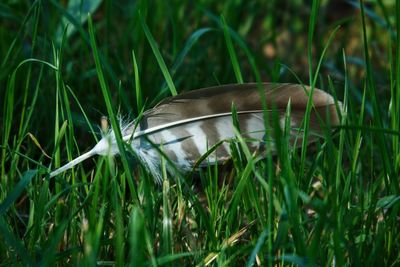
(334, 203)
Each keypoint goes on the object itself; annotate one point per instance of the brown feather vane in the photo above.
(186, 126)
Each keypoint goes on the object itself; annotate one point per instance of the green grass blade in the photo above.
(388, 168)
(16, 192)
(136, 237)
(231, 50)
(257, 248)
(167, 243)
(158, 56)
(107, 99)
(138, 89)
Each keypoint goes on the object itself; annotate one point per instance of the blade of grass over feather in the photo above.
(244, 180)
(167, 245)
(337, 233)
(344, 121)
(270, 173)
(289, 183)
(244, 153)
(311, 29)
(158, 56)
(313, 79)
(138, 89)
(107, 99)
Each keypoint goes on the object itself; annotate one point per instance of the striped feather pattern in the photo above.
(184, 127)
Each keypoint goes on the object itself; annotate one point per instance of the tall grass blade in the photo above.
(107, 99)
(158, 56)
(231, 50)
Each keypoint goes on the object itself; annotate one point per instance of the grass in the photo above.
(333, 203)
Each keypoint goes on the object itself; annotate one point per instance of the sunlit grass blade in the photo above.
(107, 99)
(313, 80)
(158, 56)
(167, 245)
(138, 89)
(375, 104)
(232, 53)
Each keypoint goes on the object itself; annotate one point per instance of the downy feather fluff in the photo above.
(185, 126)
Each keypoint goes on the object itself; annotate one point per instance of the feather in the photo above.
(185, 126)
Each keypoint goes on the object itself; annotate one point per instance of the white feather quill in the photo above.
(185, 126)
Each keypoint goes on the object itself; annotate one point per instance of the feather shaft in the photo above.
(181, 122)
(73, 162)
